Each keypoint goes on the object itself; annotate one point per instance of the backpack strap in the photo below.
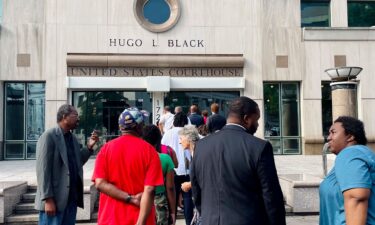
(169, 151)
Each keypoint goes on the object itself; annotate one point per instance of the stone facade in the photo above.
(37, 36)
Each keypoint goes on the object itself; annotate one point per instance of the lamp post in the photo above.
(344, 97)
(344, 90)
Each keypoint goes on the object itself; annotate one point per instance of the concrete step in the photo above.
(288, 209)
(25, 208)
(180, 213)
(22, 219)
(23, 223)
(94, 216)
(31, 188)
(28, 197)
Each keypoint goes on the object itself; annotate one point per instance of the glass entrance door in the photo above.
(111, 111)
(203, 99)
(100, 110)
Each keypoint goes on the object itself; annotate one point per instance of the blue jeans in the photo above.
(65, 217)
(188, 206)
(186, 196)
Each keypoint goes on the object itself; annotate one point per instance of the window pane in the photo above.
(31, 150)
(361, 14)
(14, 150)
(291, 146)
(290, 119)
(14, 109)
(100, 111)
(281, 117)
(203, 99)
(156, 11)
(315, 14)
(276, 146)
(35, 110)
(271, 109)
(326, 108)
(290, 91)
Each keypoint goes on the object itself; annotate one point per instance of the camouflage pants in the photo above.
(161, 208)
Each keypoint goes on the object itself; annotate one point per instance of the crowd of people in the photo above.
(212, 167)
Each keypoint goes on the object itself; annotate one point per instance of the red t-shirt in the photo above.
(129, 163)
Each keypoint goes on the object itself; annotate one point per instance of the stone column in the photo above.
(339, 13)
(344, 99)
(157, 106)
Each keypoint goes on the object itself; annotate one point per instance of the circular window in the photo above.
(157, 15)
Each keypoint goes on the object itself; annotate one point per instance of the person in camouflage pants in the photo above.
(161, 206)
(165, 196)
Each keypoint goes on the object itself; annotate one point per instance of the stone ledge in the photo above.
(302, 180)
(155, 60)
(10, 194)
(301, 192)
(338, 34)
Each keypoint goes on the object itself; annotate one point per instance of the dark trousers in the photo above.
(186, 196)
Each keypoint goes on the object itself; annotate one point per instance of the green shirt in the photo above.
(167, 166)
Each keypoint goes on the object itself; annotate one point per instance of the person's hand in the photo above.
(172, 219)
(136, 200)
(50, 207)
(93, 139)
(186, 186)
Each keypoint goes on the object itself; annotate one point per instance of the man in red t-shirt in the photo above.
(127, 169)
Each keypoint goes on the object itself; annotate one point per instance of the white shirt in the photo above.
(167, 121)
(171, 138)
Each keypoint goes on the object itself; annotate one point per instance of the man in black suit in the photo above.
(194, 117)
(216, 121)
(233, 174)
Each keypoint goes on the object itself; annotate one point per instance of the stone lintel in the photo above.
(154, 60)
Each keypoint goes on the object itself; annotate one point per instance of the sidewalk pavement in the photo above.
(290, 220)
(24, 170)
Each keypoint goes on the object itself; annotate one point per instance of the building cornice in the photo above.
(338, 34)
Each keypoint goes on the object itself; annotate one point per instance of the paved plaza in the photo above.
(290, 220)
(24, 170)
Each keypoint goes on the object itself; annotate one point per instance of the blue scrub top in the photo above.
(354, 168)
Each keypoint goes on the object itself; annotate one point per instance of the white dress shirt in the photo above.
(171, 138)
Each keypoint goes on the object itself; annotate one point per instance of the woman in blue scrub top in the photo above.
(347, 194)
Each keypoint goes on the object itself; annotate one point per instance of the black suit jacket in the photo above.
(196, 119)
(234, 180)
(215, 122)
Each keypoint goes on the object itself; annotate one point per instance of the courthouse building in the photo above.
(105, 55)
